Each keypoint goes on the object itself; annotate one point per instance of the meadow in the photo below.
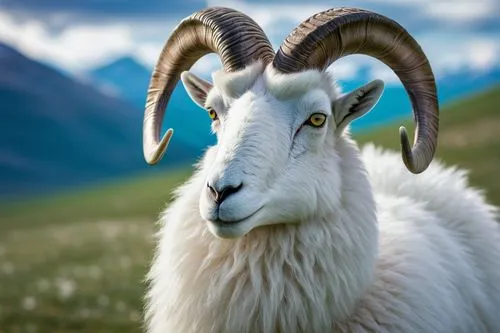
(75, 262)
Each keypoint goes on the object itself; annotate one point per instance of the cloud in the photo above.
(206, 65)
(55, 36)
(449, 52)
(461, 11)
(344, 69)
(268, 13)
(148, 54)
(484, 54)
(447, 49)
(76, 47)
(97, 9)
(415, 15)
(452, 11)
(80, 46)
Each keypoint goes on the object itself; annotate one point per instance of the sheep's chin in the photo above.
(229, 230)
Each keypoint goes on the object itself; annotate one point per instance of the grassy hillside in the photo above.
(469, 136)
(76, 262)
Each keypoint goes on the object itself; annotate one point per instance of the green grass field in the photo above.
(76, 262)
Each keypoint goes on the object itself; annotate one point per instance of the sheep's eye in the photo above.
(316, 120)
(212, 114)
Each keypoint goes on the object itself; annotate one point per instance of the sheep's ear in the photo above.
(356, 103)
(197, 88)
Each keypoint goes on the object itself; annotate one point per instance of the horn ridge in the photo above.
(235, 37)
(332, 34)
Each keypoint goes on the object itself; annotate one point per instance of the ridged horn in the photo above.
(327, 36)
(235, 37)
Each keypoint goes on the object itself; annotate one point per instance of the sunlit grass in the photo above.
(77, 262)
(139, 197)
(469, 136)
(85, 275)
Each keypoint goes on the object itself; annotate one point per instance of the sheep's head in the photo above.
(277, 123)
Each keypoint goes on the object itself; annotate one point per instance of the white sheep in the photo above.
(286, 226)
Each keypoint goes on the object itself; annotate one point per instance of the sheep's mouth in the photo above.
(227, 223)
(237, 227)
(234, 222)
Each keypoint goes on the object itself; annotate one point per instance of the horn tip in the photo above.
(154, 153)
(412, 158)
(406, 152)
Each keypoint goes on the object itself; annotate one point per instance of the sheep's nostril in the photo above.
(227, 191)
(213, 193)
(219, 195)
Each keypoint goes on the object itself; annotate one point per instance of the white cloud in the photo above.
(451, 11)
(345, 68)
(267, 13)
(74, 48)
(449, 52)
(483, 54)
(385, 74)
(460, 11)
(206, 65)
(148, 52)
(81, 46)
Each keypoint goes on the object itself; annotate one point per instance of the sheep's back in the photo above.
(439, 245)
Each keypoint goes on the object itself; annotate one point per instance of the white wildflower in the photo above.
(29, 303)
(65, 287)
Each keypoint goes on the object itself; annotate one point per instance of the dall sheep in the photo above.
(286, 226)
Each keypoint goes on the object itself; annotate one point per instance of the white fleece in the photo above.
(398, 253)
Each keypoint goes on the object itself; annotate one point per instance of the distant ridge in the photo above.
(58, 133)
(130, 79)
(126, 76)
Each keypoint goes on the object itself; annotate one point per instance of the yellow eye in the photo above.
(317, 120)
(212, 114)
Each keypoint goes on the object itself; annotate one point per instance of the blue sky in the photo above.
(76, 35)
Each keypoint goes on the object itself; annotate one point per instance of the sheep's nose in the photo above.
(221, 192)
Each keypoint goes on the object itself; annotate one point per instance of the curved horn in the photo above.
(235, 37)
(335, 33)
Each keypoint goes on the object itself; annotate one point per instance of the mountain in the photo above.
(56, 132)
(125, 77)
(395, 104)
(130, 80)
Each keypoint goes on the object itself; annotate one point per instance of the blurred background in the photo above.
(77, 201)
